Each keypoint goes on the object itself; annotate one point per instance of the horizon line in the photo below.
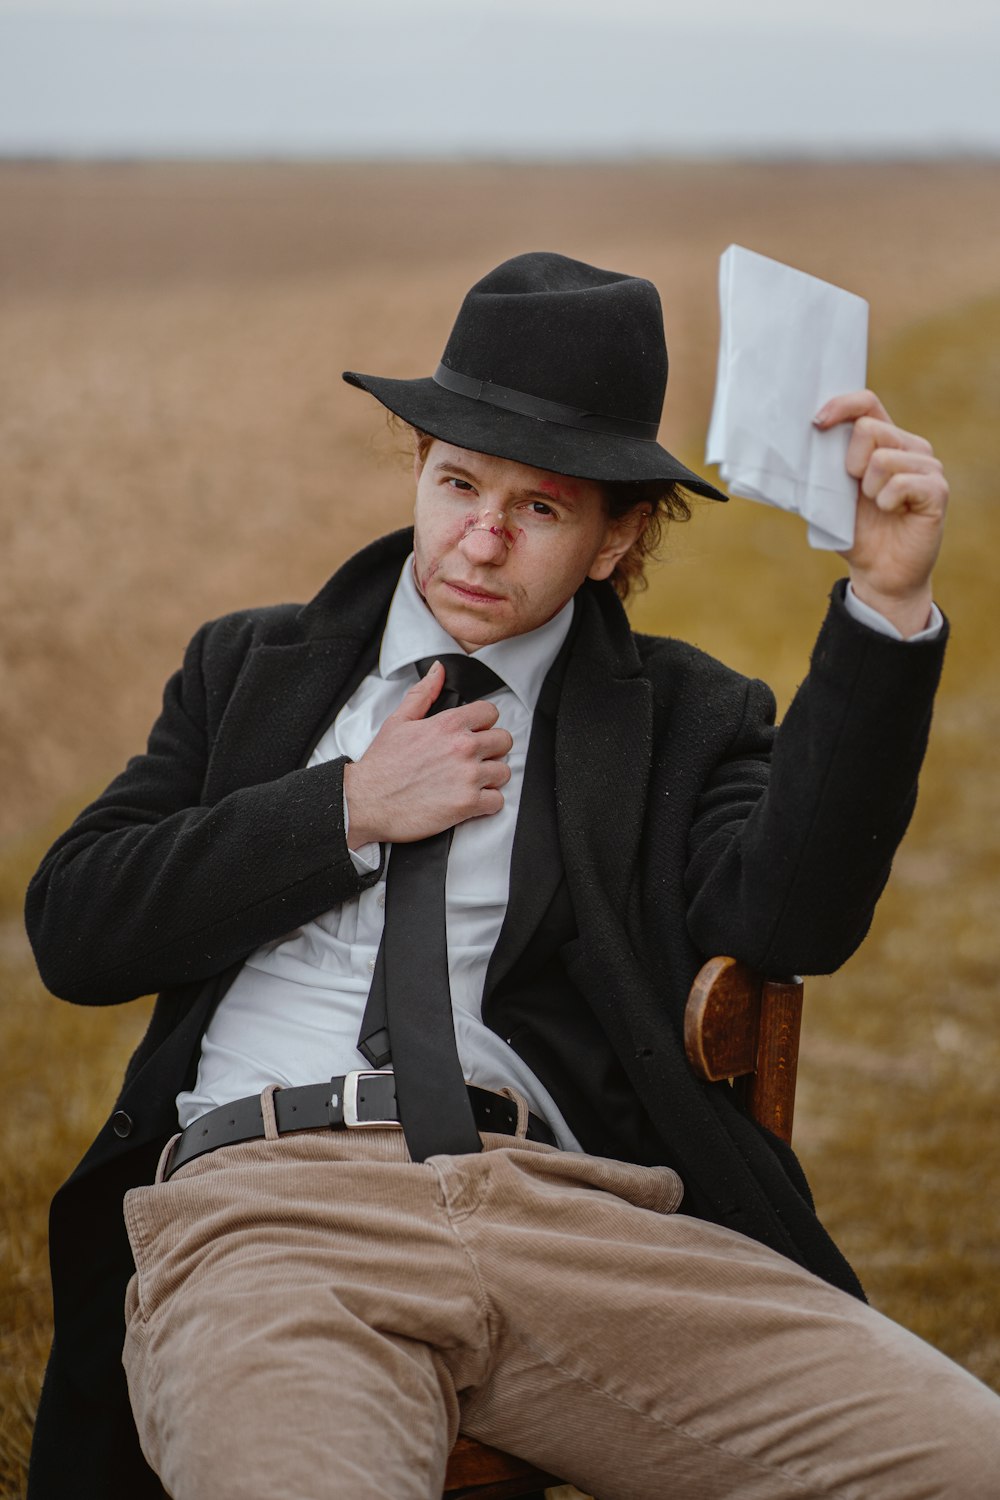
(771, 155)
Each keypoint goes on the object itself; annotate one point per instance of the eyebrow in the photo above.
(554, 495)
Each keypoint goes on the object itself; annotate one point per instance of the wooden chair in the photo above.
(745, 1028)
(737, 1026)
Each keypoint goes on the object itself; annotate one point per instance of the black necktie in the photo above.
(408, 1018)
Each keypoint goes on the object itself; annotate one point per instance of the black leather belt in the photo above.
(357, 1099)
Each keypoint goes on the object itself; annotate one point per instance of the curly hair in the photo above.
(661, 501)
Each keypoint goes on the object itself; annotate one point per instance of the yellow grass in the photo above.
(176, 442)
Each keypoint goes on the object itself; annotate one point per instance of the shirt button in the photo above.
(371, 966)
(380, 898)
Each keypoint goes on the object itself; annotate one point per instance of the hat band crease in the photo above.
(546, 411)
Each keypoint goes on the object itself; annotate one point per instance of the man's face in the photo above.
(499, 547)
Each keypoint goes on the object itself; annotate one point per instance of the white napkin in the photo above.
(788, 343)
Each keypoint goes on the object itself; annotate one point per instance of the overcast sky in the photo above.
(498, 77)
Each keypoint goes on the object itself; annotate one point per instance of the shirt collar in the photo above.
(412, 632)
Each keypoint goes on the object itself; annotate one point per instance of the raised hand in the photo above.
(902, 499)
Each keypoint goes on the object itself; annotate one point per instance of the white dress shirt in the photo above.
(293, 1013)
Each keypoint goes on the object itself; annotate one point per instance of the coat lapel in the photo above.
(585, 783)
(604, 741)
(536, 866)
(287, 689)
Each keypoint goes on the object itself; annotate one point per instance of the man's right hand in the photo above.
(421, 775)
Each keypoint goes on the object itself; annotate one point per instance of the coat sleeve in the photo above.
(149, 888)
(796, 828)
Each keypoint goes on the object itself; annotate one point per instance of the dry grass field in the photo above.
(175, 441)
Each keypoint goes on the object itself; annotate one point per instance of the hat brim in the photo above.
(483, 428)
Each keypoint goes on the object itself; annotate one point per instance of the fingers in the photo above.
(849, 408)
(871, 435)
(873, 430)
(888, 469)
(418, 699)
(483, 751)
(924, 494)
(491, 744)
(896, 469)
(475, 716)
(490, 802)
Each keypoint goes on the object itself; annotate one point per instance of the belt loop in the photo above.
(521, 1129)
(267, 1111)
(162, 1166)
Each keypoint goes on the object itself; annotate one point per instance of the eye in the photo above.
(540, 508)
(462, 485)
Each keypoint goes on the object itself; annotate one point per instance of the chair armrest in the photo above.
(738, 1024)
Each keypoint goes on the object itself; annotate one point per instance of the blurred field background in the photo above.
(176, 442)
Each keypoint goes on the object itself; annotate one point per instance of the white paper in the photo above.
(788, 343)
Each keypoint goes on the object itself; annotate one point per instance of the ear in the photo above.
(619, 536)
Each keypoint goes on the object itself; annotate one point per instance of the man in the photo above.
(319, 1301)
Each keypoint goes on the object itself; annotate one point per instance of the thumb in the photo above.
(419, 698)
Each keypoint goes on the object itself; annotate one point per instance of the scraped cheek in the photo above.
(423, 576)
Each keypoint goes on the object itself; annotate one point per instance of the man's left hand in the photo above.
(902, 498)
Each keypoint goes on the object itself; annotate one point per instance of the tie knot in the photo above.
(465, 679)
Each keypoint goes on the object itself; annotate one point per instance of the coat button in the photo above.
(122, 1124)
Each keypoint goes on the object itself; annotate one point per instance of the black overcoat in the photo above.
(685, 825)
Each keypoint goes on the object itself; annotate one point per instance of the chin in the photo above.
(474, 640)
(470, 626)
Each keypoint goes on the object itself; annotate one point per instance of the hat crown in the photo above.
(565, 332)
(552, 363)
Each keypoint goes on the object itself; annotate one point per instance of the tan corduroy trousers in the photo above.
(315, 1316)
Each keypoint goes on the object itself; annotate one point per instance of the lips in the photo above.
(476, 595)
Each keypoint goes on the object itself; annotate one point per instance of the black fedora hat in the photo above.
(553, 363)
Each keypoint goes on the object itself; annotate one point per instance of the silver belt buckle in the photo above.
(355, 1096)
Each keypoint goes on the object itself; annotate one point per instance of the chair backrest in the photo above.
(737, 1026)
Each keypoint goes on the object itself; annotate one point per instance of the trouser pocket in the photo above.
(658, 1190)
(137, 1229)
